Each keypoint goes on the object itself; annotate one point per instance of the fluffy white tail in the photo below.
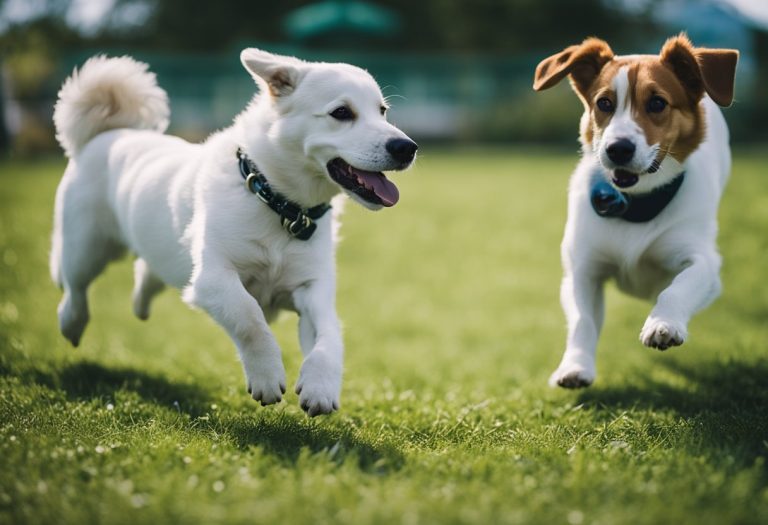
(108, 93)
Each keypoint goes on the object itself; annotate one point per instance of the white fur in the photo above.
(672, 259)
(186, 214)
(108, 93)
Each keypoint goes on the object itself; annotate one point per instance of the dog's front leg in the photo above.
(217, 289)
(690, 291)
(319, 384)
(581, 295)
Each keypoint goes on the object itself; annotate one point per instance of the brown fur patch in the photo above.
(678, 129)
(280, 83)
(582, 62)
(701, 69)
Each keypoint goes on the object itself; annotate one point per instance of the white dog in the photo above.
(642, 203)
(238, 222)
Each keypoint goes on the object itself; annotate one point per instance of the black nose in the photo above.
(402, 150)
(621, 151)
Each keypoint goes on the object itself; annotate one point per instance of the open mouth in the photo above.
(371, 186)
(625, 179)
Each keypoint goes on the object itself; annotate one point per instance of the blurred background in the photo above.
(456, 71)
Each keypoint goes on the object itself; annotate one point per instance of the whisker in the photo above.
(669, 151)
(393, 95)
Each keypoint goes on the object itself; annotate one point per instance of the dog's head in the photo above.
(642, 113)
(335, 114)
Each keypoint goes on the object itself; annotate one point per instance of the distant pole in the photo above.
(761, 76)
(5, 137)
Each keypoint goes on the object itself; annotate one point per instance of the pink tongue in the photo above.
(380, 185)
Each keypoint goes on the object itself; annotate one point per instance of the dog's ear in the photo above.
(582, 62)
(702, 70)
(280, 73)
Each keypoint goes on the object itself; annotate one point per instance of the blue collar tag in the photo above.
(609, 202)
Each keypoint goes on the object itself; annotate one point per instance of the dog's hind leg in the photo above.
(145, 287)
(56, 241)
(83, 259)
(83, 245)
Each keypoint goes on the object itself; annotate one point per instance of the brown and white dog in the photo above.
(642, 203)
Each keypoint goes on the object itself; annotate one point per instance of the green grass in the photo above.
(452, 326)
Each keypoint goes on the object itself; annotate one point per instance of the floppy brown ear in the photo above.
(718, 69)
(702, 70)
(582, 62)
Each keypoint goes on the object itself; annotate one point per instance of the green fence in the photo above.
(440, 97)
(466, 98)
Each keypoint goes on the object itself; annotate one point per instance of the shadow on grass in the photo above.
(287, 435)
(726, 402)
(89, 380)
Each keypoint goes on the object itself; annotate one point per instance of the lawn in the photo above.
(452, 326)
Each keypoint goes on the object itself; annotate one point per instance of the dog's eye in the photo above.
(383, 110)
(656, 104)
(342, 113)
(605, 105)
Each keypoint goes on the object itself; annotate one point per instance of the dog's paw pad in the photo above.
(317, 397)
(573, 376)
(316, 406)
(266, 396)
(266, 386)
(662, 334)
(318, 386)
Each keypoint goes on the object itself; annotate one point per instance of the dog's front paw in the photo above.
(572, 375)
(661, 334)
(265, 380)
(319, 385)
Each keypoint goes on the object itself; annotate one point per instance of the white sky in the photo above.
(754, 9)
(88, 13)
(83, 14)
(757, 10)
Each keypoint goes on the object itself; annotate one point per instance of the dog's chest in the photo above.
(643, 278)
(635, 262)
(271, 273)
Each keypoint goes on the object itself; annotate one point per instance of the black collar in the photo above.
(298, 222)
(607, 201)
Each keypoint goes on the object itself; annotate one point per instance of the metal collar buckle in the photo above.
(300, 227)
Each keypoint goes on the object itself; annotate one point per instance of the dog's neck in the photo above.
(285, 166)
(299, 222)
